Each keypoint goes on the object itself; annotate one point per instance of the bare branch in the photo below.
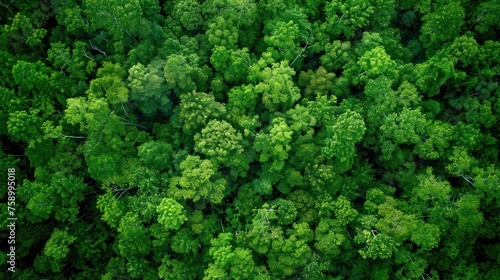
(96, 48)
(90, 226)
(7, 6)
(478, 19)
(86, 55)
(221, 225)
(246, 61)
(134, 124)
(467, 178)
(305, 47)
(348, 234)
(72, 137)
(125, 111)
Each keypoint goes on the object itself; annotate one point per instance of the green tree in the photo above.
(23, 30)
(184, 242)
(170, 214)
(24, 126)
(288, 255)
(119, 20)
(441, 25)
(344, 17)
(155, 154)
(242, 103)
(406, 127)
(109, 83)
(112, 209)
(104, 146)
(61, 196)
(374, 63)
(329, 237)
(222, 144)
(434, 73)
(437, 138)
(195, 110)
(427, 236)
(232, 64)
(181, 76)
(342, 135)
(470, 217)
(172, 268)
(337, 55)
(79, 64)
(235, 263)
(188, 13)
(148, 90)
(275, 145)
(199, 180)
(30, 75)
(317, 83)
(277, 88)
(377, 245)
(430, 190)
(300, 120)
(70, 15)
(290, 36)
(461, 163)
(222, 32)
(57, 248)
(483, 16)
(133, 238)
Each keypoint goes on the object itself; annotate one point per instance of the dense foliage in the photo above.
(243, 139)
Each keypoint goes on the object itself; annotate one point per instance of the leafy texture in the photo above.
(243, 139)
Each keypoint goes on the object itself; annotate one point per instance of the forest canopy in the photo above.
(244, 139)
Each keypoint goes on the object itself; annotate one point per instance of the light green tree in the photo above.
(195, 110)
(222, 32)
(342, 135)
(57, 248)
(274, 145)
(441, 25)
(277, 88)
(170, 214)
(198, 180)
(223, 145)
(148, 90)
(133, 237)
(23, 30)
(181, 76)
(109, 83)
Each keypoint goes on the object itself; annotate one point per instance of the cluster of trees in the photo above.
(242, 139)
